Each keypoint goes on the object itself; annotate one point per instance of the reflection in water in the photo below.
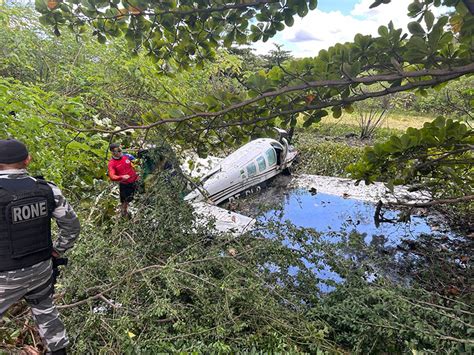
(347, 223)
(330, 214)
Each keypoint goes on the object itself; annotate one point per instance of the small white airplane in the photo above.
(242, 172)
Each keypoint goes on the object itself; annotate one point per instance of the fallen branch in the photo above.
(101, 295)
(379, 217)
(434, 202)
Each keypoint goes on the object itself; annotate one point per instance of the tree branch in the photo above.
(434, 202)
(438, 76)
(183, 13)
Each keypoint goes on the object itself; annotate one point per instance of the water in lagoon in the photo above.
(332, 216)
(329, 213)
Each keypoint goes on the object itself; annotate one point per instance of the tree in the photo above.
(177, 34)
(66, 158)
(166, 276)
(276, 57)
(433, 52)
(438, 157)
(181, 32)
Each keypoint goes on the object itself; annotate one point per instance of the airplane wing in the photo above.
(225, 221)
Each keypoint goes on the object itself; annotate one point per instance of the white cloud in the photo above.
(320, 30)
(382, 14)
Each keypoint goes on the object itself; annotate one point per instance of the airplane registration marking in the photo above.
(248, 192)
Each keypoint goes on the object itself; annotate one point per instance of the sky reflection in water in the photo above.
(333, 215)
(329, 213)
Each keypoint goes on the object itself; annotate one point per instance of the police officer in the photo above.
(26, 248)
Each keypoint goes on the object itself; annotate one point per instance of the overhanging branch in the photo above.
(444, 201)
(177, 12)
(345, 101)
(437, 76)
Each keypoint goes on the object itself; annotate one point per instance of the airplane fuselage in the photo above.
(244, 170)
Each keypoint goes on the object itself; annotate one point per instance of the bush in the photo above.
(325, 157)
(453, 99)
(180, 287)
(159, 283)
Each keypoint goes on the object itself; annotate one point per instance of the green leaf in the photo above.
(415, 28)
(336, 111)
(349, 108)
(101, 38)
(74, 145)
(289, 20)
(429, 19)
(46, 20)
(450, 2)
(383, 31)
(302, 9)
(375, 4)
(415, 7)
(40, 6)
(395, 142)
(422, 92)
(279, 26)
(175, 113)
(314, 118)
(229, 39)
(417, 49)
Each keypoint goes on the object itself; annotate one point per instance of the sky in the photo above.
(336, 21)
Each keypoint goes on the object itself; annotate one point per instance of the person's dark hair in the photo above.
(112, 146)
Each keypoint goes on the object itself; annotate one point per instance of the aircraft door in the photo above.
(278, 152)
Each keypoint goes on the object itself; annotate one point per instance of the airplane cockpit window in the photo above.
(251, 169)
(271, 157)
(261, 163)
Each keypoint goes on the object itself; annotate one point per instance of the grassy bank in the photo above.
(398, 121)
(329, 146)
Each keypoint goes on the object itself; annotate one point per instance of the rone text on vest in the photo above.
(29, 211)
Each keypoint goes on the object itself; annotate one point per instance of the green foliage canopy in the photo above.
(25, 113)
(178, 32)
(432, 52)
(439, 155)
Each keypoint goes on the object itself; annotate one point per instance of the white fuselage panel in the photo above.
(249, 166)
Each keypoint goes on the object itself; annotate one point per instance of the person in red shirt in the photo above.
(121, 170)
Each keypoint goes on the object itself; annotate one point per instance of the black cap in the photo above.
(12, 151)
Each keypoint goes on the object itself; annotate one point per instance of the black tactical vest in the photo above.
(26, 207)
